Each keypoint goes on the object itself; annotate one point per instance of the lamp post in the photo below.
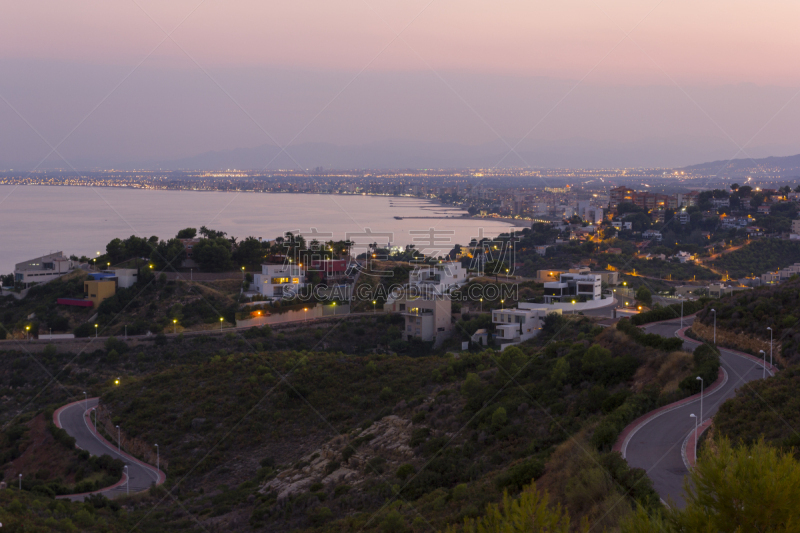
(174, 326)
(715, 326)
(95, 420)
(373, 306)
(119, 446)
(95, 331)
(702, 386)
(764, 364)
(85, 400)
(157, 459)
(220, 323)
(573, 307)
(127, 478)
(481, 305)
(502, 304)
(770, 346)
(695, 437)
(20, 482)
(27, 333)
(305, 314)
(681, 314)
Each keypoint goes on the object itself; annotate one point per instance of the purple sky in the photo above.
(717, 74)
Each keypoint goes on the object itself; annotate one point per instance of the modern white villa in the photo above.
(571, 287)
(42, 269)
(520, 324)
(437, 279)
(279, 280)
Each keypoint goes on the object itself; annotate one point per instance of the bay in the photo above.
(37, 220)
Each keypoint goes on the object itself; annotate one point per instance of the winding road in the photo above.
(74, 418)
(656, 441)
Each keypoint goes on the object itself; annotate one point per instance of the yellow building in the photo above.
(97, 291)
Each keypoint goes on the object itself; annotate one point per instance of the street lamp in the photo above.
(764, 365)
(681, 314)
(95, 420)
(220, 323)
(715, 326)
(573, 307)
(86, 400)
(695, 437)
(702, 386)
(20, 482)
(127, 478)
(502, 304)
(373, 306)
(305, 314)
(95, 331)
(481, 305)
(242, 273)
(334, 308)
(119, 446)
(157, 458)
(770, 346)
(27, 332)
(174, 326)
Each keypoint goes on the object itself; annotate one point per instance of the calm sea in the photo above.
(36, 220)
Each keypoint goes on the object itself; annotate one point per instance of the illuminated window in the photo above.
(276, 281)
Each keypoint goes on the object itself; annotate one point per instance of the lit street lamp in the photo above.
(695, 437)
(373, 306)
(95, 331)
(334, 308)
(28, 332)
(220, 323)
(702, 386)
(502, 304)
(174, 326)
(305, 314)
(481, 305)
(573, 307)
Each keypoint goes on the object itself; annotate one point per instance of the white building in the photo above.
(683, 257)
(521, 324)
(42, 269)
(652, 235)
(280, 280)
(126, 277)
(437, 279)
(796, 227)
(572, 286)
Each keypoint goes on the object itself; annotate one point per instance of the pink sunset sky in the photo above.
(245, 73)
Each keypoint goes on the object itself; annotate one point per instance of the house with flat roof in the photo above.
(520, 324)
(569, 287)
(427, 317)
(439, 278)
(279, 280)
(42, 269)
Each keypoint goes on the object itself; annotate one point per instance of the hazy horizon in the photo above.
(578, 85)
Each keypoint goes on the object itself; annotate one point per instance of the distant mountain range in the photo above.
(788, 166)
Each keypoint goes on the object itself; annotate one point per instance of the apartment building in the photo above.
(437, 279)
(520, 324)
(573, 287)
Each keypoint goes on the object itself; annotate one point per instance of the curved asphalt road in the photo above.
(657, 445)
(74, 419)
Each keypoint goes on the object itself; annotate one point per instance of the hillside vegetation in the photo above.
(758, 257)
(750, 313)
